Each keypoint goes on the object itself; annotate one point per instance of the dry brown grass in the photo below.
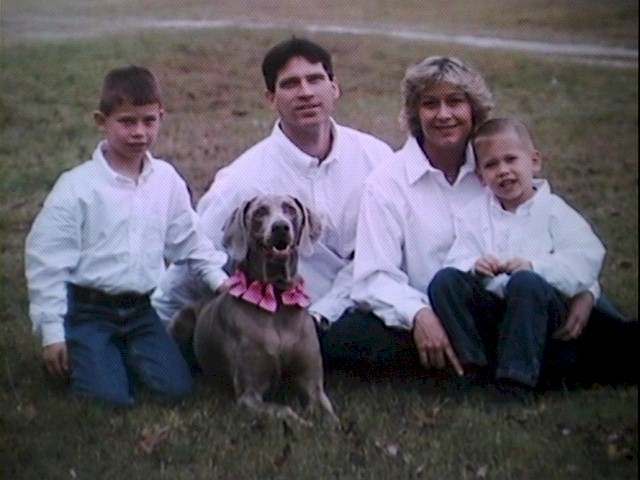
(592, 21)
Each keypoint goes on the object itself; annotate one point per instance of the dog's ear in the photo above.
(310, 228)
(234, 238)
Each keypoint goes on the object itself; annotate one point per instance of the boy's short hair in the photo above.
(497, 126)
(132, 84)
(438, 69)
(278, 56)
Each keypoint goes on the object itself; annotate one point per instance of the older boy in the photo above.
(520, 253)
(308, 155)
(98, 246)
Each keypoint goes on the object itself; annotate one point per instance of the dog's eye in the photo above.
(261, 211)
(289, 210)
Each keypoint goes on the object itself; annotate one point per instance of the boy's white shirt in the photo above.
(545, 230)
(102, 230)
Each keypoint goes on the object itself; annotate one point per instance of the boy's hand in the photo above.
(432, 342)
(487, 265)
(56, 359)
(516, 264)
(579, 312)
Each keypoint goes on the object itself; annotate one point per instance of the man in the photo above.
(307, 155)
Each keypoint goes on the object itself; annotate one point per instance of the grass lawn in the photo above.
(584, 118)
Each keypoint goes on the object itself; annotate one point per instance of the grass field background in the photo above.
(584, 116)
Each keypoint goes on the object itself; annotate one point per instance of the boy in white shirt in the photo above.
(519, 255)
(98, 247)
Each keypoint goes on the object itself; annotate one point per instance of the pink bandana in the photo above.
(263, 295)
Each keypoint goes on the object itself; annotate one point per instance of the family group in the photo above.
(450, 255)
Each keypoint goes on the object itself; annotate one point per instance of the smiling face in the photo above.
(130, 130)
(446, 117)
(304, 95)
(507, 165)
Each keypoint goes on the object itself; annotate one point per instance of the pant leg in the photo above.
(96, 355)
(608, 348)
(534, 310)
(469, 314)
(155, 357)
(360, 341)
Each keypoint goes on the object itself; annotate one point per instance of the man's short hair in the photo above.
(281, 53)
(132, 84)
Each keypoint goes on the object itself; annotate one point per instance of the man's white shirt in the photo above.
(331, 187)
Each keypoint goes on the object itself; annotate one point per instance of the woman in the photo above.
(405, 226)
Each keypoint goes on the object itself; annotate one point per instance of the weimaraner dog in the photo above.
(259, 329)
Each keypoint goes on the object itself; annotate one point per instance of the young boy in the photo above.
(520, 253)
(98, 247)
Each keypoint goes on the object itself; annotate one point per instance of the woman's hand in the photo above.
(433, 343)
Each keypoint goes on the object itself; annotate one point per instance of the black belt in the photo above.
(91, 295)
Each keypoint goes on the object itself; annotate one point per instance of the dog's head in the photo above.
(265, 234)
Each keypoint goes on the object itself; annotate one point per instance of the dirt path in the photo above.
(17, 27)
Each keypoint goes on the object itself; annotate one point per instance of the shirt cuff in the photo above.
(330, 307)
(52, 332)
(215, 279)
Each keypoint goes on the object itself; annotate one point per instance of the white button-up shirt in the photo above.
(544, 230)
(103, 230)
(331, 187)
(405, 230)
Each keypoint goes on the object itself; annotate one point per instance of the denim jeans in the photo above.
(511, 335)
(113, 348)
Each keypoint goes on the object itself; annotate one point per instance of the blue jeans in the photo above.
(512, 336)
(114, 347)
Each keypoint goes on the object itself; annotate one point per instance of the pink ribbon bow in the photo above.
(263, 295)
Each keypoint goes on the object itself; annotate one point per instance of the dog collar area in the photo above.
(264, 295)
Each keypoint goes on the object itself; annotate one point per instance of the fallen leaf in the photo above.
(432, 415)
(30, 412)
(391, 449)
(151, 438)
(616, 453)
(481, 472)
(283, 456)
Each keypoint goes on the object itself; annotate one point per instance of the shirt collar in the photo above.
(418, 164)
(534, 204)
(294, 154)
(98, 156)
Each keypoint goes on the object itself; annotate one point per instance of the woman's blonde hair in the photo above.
(439, 69)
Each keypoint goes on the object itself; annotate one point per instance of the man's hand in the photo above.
(56, 360)
(579, 312)
(432, 342)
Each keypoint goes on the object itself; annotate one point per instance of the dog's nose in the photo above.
(280, 228)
